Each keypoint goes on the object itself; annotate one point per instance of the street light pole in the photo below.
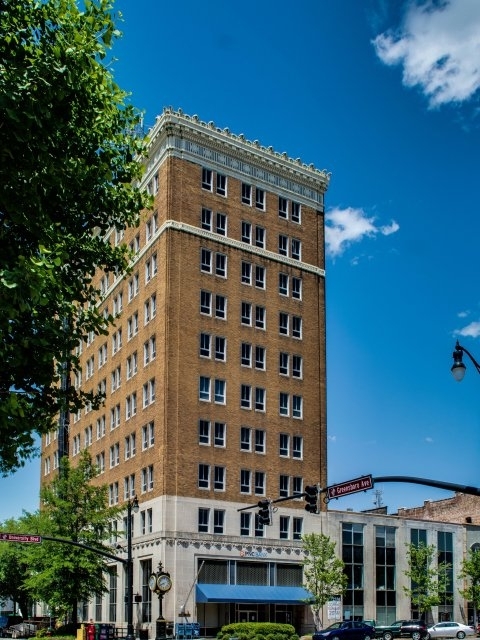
(458, 368)
(132, 505)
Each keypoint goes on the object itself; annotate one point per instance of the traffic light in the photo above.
(311, 499)
(264, 512)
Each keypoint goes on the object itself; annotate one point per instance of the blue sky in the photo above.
(385, 96)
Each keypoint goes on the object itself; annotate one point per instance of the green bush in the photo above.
(257, 631)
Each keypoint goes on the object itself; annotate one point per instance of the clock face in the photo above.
(152, 582)
(164, 582)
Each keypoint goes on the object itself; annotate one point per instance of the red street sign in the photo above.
(352, 486)
(19, 537)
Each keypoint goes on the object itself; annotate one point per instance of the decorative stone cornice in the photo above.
(175, 133)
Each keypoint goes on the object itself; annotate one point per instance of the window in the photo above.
(245, 523)
(245, 481)
(133, 287)
(260, 199)
(206, 219)
(114, 417)
(260, 237)
(283, 364)
(148, 435)
(206, 302)
(114, 455)
(151, 268)
(246, 273)
(259, 483)
(282, 207)
(283, 245)
(203, 476)
(220, 307)
(113, 494)
(221, 184)
(220, 348)
(116, 378)
(284, 486)
(259, 399)
(296, 249)
(260, 313)
(246, 356)
(296, 212)
(221, 226)
(283, 323)
(149, 350)
(100, 462)
(284, 404)
(149, 393)
(283, 284)
(246, 313)
(204, 389)
(296, 327)
(218, 521)
(88, 436)
(297, 528)
(116, 341)
(219, 479)
(245, 396)
(203, 518)
(245, 439)
(204, 432)
(297, 484)
(207, 179)
(132, 326)
(206, 261)
(151, 226)
(284, 445)
(130, 406)
(147, 478)
(219, 434)
(284, 527)
(260, 277)
(247, 232)
(129, 487)
(132, 365)
(205, 345)
(150, 308)
(259, 441)
(246, 194)
(297, 366)
(297, 447)
(221, 265)
(101, 427)
(260, 357)
(297, 406)
(220, 388)
(296, 288)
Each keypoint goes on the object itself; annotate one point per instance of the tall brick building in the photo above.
(214, 376)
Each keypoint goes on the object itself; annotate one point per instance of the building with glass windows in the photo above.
(214, 377)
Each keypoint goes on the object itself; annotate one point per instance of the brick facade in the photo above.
(461, 509)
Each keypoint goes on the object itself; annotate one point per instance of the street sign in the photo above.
(352, 486)
(19, 537)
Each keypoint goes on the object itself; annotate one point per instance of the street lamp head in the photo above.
(135, 505)
(458, 368)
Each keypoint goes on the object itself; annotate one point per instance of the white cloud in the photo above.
(346, 226)
(463, 314)
(332, 438)
(438, 46)
(472, 330)
(429, 440)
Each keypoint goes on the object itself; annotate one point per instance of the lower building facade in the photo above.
(220, 579)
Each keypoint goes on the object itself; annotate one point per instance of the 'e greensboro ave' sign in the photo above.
(19, 537)
(352, 486)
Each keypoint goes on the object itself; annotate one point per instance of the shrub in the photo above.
(257, 631)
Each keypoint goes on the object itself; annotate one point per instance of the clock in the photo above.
(164, 582)
(152, 582)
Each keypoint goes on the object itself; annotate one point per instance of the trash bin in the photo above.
(143, 634)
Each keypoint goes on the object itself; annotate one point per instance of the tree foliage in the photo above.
(470, 572)
(69, 170)
(72, 508)
(323, 573)
(428, 580)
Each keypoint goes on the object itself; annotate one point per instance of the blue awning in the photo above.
(251, 593)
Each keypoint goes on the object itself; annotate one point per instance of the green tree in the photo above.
(70, 165)
(75, 509)
(323, 573)
(428, 581)
(470, 572)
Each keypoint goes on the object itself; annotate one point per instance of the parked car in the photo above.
(6, 622)
(348, 630)
(389, 631)
(450, 630)
(415, 629)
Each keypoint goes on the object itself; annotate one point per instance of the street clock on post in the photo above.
(164, 582)
(152, 582)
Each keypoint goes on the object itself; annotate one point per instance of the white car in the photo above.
(450, 630)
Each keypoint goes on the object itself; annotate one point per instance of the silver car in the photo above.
(450, 630)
